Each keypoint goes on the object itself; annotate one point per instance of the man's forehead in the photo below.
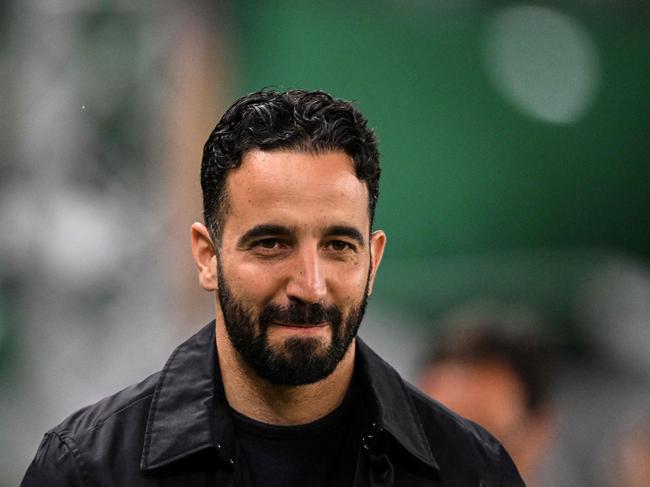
(297, 184)
(295, 170)
(285, 159)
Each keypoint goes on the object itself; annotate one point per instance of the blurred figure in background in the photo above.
(493, 366)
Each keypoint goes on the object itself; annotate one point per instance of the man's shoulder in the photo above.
(74, 452)
(439, 423)
(459, 448)
(438, 419)
(461, 442)
(112, 438)
(132, 402)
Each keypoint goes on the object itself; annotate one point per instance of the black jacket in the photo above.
(174, 428)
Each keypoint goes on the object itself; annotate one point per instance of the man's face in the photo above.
(296, 262)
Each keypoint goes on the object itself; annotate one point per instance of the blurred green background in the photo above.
(480, 197)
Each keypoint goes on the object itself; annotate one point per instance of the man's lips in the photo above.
(300, 325)
(299, 329)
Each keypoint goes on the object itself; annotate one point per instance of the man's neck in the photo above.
(255, 397)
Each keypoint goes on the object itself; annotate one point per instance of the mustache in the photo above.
(300, 314)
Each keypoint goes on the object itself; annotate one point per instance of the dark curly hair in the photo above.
(296, 120)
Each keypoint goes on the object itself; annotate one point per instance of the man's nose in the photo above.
(306, 280)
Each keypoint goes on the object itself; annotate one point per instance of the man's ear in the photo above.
(205, 256)
(377, 246)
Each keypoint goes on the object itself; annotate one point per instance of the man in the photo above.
(493, 366)
(278, 391)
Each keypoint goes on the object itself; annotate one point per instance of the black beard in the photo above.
(297, 361)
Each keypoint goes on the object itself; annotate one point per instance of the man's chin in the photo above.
(302, 348)
(299, 361)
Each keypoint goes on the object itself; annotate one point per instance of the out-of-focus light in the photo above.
(84, 239)
(542, 61)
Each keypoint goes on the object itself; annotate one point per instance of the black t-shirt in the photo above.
(318, 454)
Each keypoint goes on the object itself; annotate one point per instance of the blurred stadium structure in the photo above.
(516, 168)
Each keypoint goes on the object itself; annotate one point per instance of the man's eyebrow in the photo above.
(264, 230)
(347, 231)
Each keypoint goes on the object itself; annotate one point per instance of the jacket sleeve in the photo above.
(54, 465)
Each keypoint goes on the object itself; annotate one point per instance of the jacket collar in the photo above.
(396, 412)
(189, 411)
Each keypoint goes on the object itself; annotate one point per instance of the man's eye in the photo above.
(268, 243)
(339, 245)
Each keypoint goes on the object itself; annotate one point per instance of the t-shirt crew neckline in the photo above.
(325, 425)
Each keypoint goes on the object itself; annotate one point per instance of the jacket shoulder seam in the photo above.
(77, 461)
(69, 432)
(101, 421)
